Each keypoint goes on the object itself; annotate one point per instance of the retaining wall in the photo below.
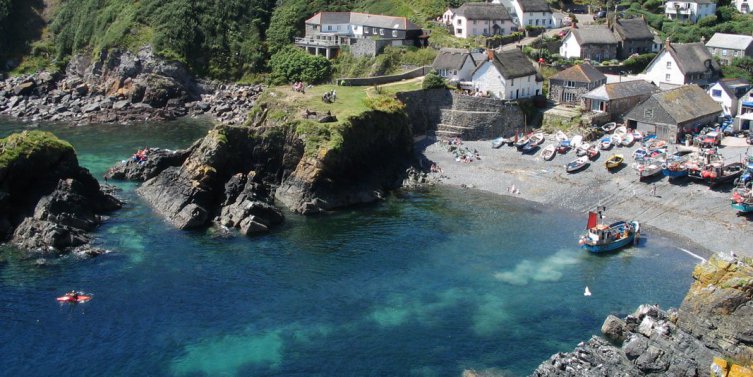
(378, 80)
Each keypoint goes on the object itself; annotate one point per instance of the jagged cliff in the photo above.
(236, 174)
(712, 329)
(47, 201)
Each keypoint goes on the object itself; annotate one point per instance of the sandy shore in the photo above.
(700, 218)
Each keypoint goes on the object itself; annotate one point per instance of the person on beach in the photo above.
(653, 190)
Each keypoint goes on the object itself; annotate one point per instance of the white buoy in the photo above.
(587, 292)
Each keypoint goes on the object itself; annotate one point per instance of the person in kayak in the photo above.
(73, 295)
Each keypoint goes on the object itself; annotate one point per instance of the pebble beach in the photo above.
(699, 217)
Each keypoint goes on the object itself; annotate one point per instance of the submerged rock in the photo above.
(48, 202)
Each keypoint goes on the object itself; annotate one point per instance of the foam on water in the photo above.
(551, 268)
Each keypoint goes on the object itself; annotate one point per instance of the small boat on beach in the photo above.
(617, 140)
(536, 139)
(614, 161)
(601, 238)
(560, 136)
(521, 142)
(592, 152)
(500, 141)
(716, 174)
(576, 141)
(640, 154)
(606, 142)
(582, 149)
(628, 140)
(674, 169)
(529, 148)
(621, 130)
(609, 127)
(577, 164)
(548, 153)
(742, 199)
(648, 169)
(637, 135)
(564, 146)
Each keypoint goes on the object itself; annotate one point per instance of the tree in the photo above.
(282, 27)
(433, 81)
(293, 64)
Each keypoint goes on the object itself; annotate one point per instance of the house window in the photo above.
(373, 30)
(329, 27)
(458, 31)
(475, 22)
(512, 82)
(569, 97)
(716, 93)
(394, 33)
(724, 52)
(648, 113)
(381, 31)
(666, 78)
(530, 22)
(459, 22)
(569, 84)
(669, 65)
(485, 31)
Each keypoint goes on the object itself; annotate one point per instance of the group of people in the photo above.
(329, 97)
(473, 93)
(299, 86)
(140, 156)
(461, 152)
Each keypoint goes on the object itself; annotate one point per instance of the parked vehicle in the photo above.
(711, 139)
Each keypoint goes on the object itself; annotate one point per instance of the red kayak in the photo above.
(80, 298)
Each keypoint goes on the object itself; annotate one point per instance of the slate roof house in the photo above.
(633, 37)
(673, 113)
(689, 10)
(618, 98)
(507, 75)
(727, 47)
(481, 19)
(533, 13)
(569, 85)
(727, 92)
(367, 34)
(596, 43)
(683, 63)
(454, 64)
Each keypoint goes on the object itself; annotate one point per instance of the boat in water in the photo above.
(577, 164)
(74, 298)
(548, 153)
(601, 238)
(614, 161)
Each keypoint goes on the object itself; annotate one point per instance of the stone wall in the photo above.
(557, 92)
(378, 80)
(369, 47)
(450, 114)
(602, 52)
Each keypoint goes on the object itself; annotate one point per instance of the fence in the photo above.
(377, 80)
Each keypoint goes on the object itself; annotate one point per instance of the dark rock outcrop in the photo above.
(47, 201)
(234, 174)
(714, 321)
(156, 160)
(123, 86)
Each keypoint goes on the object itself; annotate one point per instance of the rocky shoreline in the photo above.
(121, 87)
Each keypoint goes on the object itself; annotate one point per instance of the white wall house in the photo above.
(682, 63)
(454, 64)
(727, 92)
(689, 10)
(473, 19)
(448, 15)
(507, 75)
(510, 8)
(743, 6)
(533, 13)
(570, 47)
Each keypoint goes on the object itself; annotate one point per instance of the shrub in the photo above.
(433, 81)
(384, 103)
(637, 63)
(293, 64)
(707, 21)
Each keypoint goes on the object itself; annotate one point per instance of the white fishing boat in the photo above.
(548, 153)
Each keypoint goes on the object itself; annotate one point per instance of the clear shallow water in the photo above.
(423, 284)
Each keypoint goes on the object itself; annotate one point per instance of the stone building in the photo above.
(728, 47)
(366, 34)
(616, 99)
(595, 43)
(568, 86)
(633, 36)
(672, 114)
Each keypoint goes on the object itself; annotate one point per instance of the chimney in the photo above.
(667, 44)
(490, 54)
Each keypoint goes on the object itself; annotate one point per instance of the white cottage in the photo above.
(727, 92)
(454, 64)
(507, 75)
(689, 10)
(682, 63)
(533, 13)
(481, 19)
(743, 6)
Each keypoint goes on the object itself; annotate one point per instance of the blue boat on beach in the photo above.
(603, 238)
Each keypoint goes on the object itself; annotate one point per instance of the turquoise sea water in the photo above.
(423, 284)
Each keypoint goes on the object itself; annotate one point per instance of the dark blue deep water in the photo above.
(423, 284)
